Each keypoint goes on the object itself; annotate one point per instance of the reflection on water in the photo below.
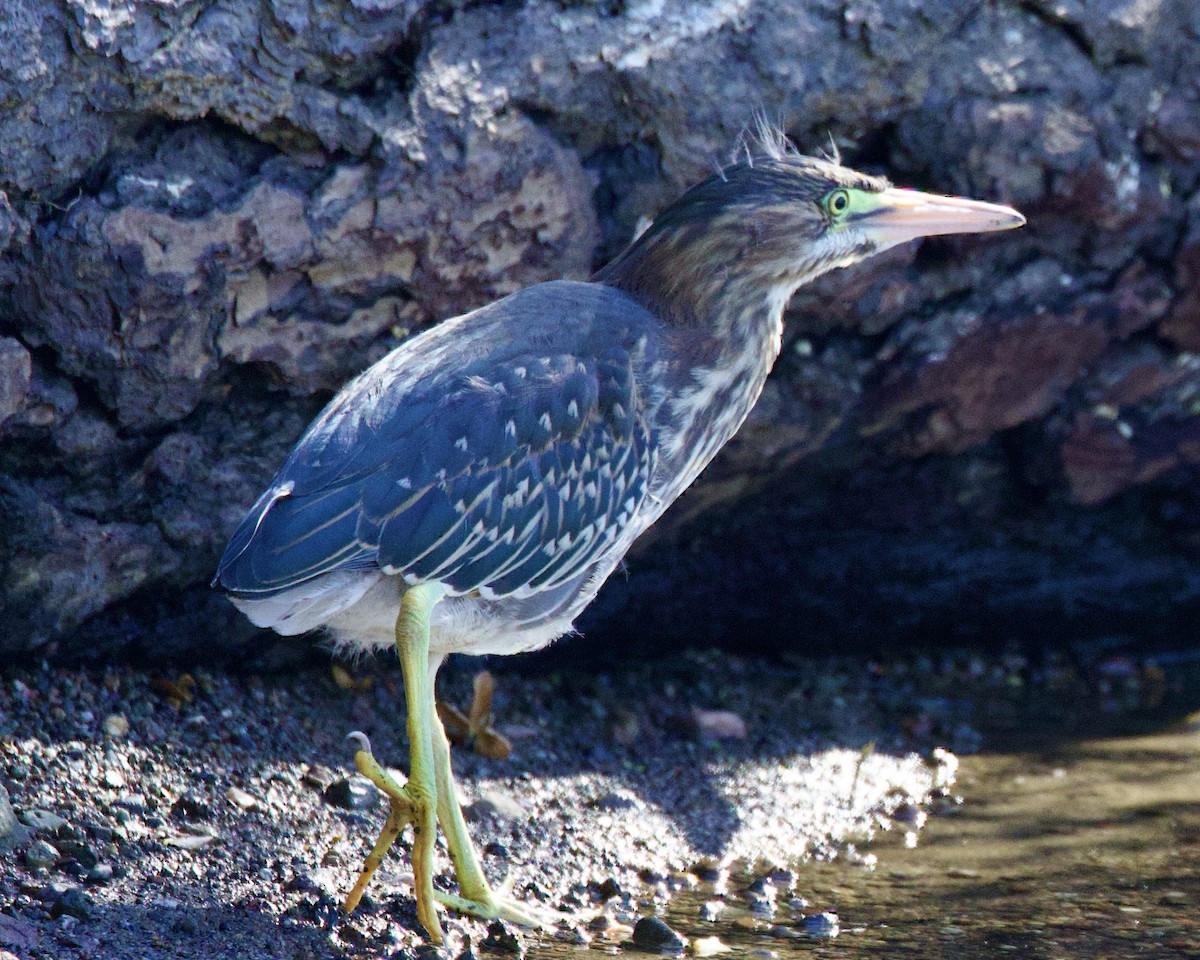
(1070, 842)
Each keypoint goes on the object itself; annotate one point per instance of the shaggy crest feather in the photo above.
(760, 138)
(771, 139)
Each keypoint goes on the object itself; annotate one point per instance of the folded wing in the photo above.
(509, 473)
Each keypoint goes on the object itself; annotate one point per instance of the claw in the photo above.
(360, 740)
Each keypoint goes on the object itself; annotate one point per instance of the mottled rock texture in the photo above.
(215, 212)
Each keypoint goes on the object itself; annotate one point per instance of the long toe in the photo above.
(424, 836)
(398, 816)
(500, 904)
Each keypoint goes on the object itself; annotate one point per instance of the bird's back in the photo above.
(502, 452)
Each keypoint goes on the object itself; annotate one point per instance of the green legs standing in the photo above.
(415, 802)
(475, 896)
(428, 797)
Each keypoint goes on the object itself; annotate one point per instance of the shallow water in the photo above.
(1071, 843)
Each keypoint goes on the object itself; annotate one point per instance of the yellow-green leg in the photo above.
(475, 895)
(416, 801)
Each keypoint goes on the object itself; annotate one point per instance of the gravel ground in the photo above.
(209, 815)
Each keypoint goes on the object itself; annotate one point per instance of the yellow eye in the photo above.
(837, 202)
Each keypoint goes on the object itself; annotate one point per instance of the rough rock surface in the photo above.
(211, 214)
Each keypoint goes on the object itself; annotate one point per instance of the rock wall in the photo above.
(213, 213)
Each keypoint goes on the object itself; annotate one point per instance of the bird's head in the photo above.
(774, 222)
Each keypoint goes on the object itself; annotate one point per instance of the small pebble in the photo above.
(573, 935)
(83, 854)
(822, 924)
(709, 871)
(53, 891)
(114, 778)
(708, 947)
(762, 953)
(760, 906)
(187, 924)
(40, 855)
(351, 793)
(720, 724)
(131, 803)
(240, 798)
(601, 923)
(653, 934)
(191, 841)
(502, 938)
(43, 821)
(100, 873)
(115, 725)
(303, 883)
(682, 881)
(609, 888)
(710, 910)
(192, 806)
(12, 834)
(909, 814)
(73, 903)
(612, 801)
(783, 878)
(319, 777)
(494, 806)
(713, 724)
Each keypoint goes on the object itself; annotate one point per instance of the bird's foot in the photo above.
(407, 806)
(500, 904)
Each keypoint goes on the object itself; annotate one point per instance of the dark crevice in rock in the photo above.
(155, 632)
(1044, 12)
(608, 9)
(400, 75)
(616, 169)
(874, 153)
(922, 577)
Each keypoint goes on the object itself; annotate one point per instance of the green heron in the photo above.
(472, 490)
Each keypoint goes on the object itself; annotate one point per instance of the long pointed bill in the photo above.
(908, 214)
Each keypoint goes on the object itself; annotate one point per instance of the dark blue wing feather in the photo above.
(467, 458)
